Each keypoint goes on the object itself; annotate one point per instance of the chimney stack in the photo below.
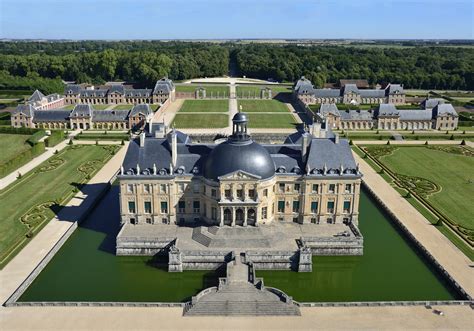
(305, 140)
(174, 148)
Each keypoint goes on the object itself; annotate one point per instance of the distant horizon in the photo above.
(219, 20)
(243, 38)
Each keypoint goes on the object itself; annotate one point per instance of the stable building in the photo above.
(349, 93)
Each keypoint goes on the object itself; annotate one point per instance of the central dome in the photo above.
(228, 157)
(239, 152)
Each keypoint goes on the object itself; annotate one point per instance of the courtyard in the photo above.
(262, 106)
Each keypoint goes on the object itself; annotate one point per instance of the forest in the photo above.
(143, 62)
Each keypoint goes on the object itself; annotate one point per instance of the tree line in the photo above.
(143, 62)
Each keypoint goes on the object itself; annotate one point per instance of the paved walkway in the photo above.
(8, 179)
(411, 142)
(448, 255)
(16, 271)
(168, 115)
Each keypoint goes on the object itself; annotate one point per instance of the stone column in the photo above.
(221, 217)
(245, 216)
(175, 264)
(233, 216)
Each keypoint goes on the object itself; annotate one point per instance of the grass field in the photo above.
(211, 90)
(32, 201)
(123, 107)
(204, 106)
(269, 121)
(449, 170)
(100, 107)
(12, 144)
(201, 121)
(68, 107)
(262, 106)
(254, 90)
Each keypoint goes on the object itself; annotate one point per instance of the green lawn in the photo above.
(200, 121)
(205, 106)
(12, 144)
(254, 90)
(452, 172)
(268, 121)
(123, 107)
(211, 90)
(262, 106)
(32, 201)
(68, 107)
(100, 107)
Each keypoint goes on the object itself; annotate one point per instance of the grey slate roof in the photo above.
(138, 92)
(329, 108)
(27, 110)
(348, 88)
(387, 109)
(326, 93)
(82, 110)
(141, 108)
(36, 96)
(163, 86)
(57, 115)
(356, 115)
(415, 114)
(72, 89)
(325, 157)
(445, 108)
(431, 103)
(120, 89)
(304, 86)
(372, 93)
(395, 88)
(98, 93)
(109, 115)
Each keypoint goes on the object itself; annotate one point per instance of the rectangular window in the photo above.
(213, 193)
(252, 193)
(164, 207)
(196, 188)
(332, 188)
(214, 213)
(296, 206)
(297, 187)
(348, 188)
(330, 207)
(131, 207)
(282, 187)
(147, 207)
(281, 206)
(240, 193)
(162, 188)
(315, 188)
(347, 207)
(314, 207)
(196, 206)
(181, 206)
(265, 192)
(130, 188)
(146, 188)
(264, 213)
(228, 194)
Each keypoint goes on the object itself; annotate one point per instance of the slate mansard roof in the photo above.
(163, 86)
(304, 86)
(57, 115)
(325, 157)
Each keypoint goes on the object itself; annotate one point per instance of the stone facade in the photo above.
(348, 94)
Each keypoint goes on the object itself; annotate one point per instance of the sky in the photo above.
(234, 19)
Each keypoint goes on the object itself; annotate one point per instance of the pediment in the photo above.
(239, 174)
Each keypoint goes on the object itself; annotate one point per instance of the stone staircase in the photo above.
(199, 237)
(236, 296)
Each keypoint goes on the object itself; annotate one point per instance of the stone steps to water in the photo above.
(243, 308)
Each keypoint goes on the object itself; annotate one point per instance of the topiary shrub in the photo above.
(350, 142)
(463, 142)
(452, 137)
(388, 142)
(96, 142)
(70, 142)
(426, 142)
(122, 142)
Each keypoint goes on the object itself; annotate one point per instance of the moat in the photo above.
(86, 268)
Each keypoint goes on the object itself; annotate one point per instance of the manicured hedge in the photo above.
(108, 136)
(20, 159)
(12, 130)
(55, 138)
(35, 137)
